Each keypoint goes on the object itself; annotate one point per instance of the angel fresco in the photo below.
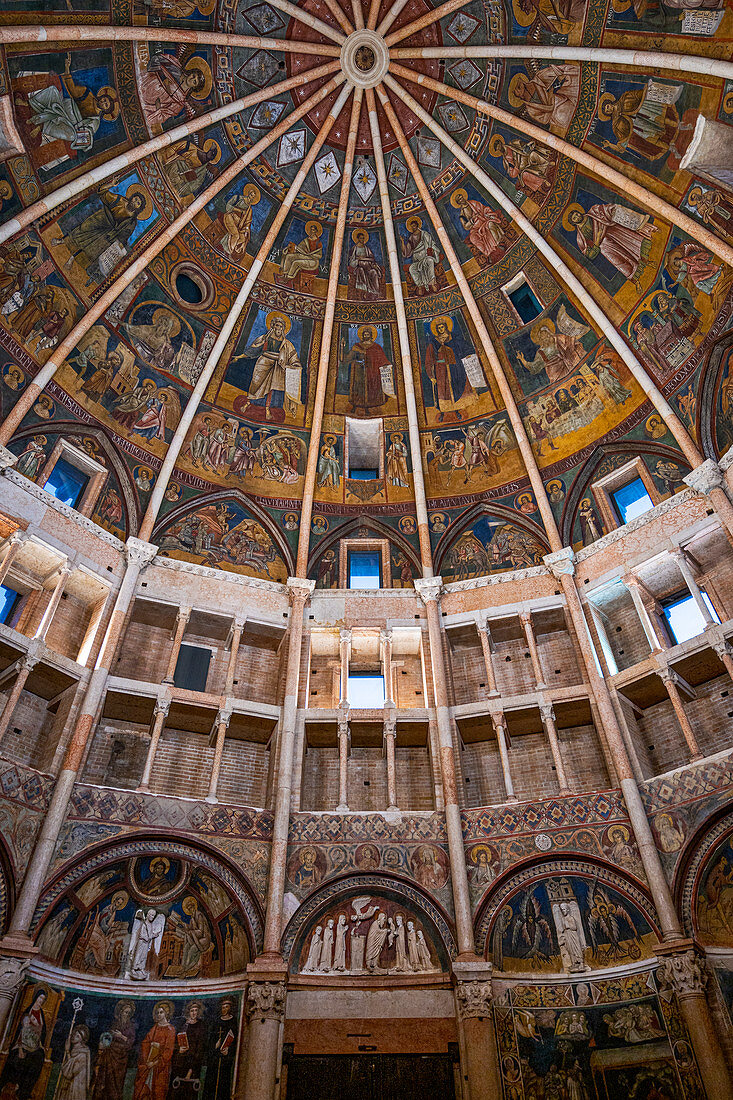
(558, 347)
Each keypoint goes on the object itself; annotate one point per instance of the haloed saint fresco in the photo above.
(69, 1044)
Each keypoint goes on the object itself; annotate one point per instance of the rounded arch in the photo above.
(7, 886)
(114, 881)
(714, 418)
(520, 552)
(703, 892)
(364, 526)
(361, 898)
(614, 915)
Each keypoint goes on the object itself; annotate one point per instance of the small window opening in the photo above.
(192, 668)
(631, 500)
(526, 302)
(188, 289)
(66, 482)
(365, 569)
(683, 617)
(366, 690)
(9, 600)
(363, 446)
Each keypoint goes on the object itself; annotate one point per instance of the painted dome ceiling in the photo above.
(253, 196)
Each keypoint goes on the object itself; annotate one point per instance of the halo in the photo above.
(571, 208)
(544, 323)
(203, 68)
(158, 314)
(147, 210)
(273, 315)
(497, 145)
(161, 859)
(210, 143)
(516, 86)
(605, 103)
(41, 440)
(696, 193)
(167, 1005)
(119, 900)
(447, 321)
(189, 905)
(480, 848)
(358, 232)
(459, 196)
(413, 222)
(313, 224)
(110, 116)
(367, 328)
(330, 439)
(252, 193)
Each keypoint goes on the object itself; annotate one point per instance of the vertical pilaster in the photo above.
(633, 585)
(502, 738)
(160, 713)
(265, 1012)
(344, 744)
(473, 996)
(525, 619)
(222, 725)
(386, 639)
(670, 679)
(487, 646)
(390, 738)
(11, 550)
(547, 713)
(26, 665)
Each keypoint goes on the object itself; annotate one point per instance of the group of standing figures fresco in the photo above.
(66, 1044)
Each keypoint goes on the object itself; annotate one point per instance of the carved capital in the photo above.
(183, 615)
(139, 553)
(561, 563)
(474, 999)
(7, 459)
(429, 588)
(705, 477)
(224, 717)
(12, 974)
(547, 712)
(300, 590)
(345, 636)
(668, 676)
(266, 1001)
(719, 644)
(686, 973)
(28, 662)
(162, 707)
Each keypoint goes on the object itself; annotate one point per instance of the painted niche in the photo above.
(148, 918)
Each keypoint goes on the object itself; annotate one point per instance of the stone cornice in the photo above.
(220, 574)
(86, 524)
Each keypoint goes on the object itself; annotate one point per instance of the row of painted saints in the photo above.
(370, 937)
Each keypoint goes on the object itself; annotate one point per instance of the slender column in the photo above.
(266, 1011)
(525, 617)
(160, 713)
(708, 480)
(390, 738)
(721, 647)
(25, 667)
(633, 585)
(562, 566)
(140, 264)
(344, 739)
(499, 723)
(487, 645)
(13, 973)
(473, 995)
(687, 975)
(222, 725)
(386, 638)
(31, 214)
(688, 576)
(606, 650)
(236, 636)
(300, 592)
(12, 549)
(390, 17)
(139, 554)
(430, 590)
(547, 713)
(53, 603)
(344, 656)
(615, 178)
(373, 14)
(77, 32)
(358, 14)
(182, 618)
(670, 680)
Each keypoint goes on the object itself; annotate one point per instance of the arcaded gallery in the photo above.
(366, 549)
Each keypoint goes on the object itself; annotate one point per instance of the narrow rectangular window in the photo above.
(631, 500)
(526, 302)
(365, 569)
(192, 668)
(66, 482)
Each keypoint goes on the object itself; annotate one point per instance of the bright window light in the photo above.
(8, 602)
(66, 483)
(366, 690)
(365, 569)
(684, 617)
(525, 302)
(370, 474)
(632, 500)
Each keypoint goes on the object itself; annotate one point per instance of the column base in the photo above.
(342, 809)
(18, 944)
(564, 792)
(269, 966)
(142, 789)
(393, 809)
(511, 798)
(211, 799)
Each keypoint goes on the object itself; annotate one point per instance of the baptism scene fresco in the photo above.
(149, 918)
(131, 373)
(73, 1043)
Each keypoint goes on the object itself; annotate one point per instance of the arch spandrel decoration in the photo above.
(372, 926)
(149, 911)
(568, 916)
(706, 889)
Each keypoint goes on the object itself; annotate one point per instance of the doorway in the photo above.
(370, 1077)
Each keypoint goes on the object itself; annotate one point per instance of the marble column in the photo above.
(670, 679)
(633, 585)
(686, 974)
(160, 713)
(182, 618)
(344, 744)
(693, 587)
(386, 640)
(26, 664)
(50, 610)
(12, 548)
(236, 639)
(547, 713)
(473, 997)
(390, 738)
(525, 617)
(344, 656)
(16, 941)
(266, 1012)
(222, 725)
(499, 724)
(487, 645)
